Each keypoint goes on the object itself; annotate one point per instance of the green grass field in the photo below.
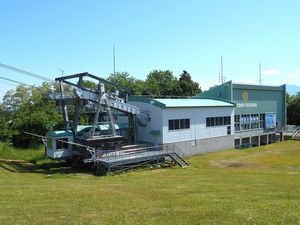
(252, 186)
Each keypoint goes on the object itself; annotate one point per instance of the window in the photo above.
(254, 121)
(172, 125)
(237, 119)
(61, 143)
(237, 143)
(218, 121)
(176, 124)
(249, 121)
(262, 120)
(184, 123)
(227, 120)
(179, 124)
(210, 121)
(228, 130)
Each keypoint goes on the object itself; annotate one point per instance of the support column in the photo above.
(64, 106)
(132, 134)
(77, 109)
(76, 117)
(134, 131)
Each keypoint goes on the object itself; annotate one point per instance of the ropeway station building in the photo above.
(141, 130)
(226, 116)
(260, 111)
(193, 126)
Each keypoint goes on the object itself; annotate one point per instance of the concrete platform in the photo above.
(111, 161)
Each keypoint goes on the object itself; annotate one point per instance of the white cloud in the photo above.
(206, 85)
(295, 74)
(271, 72)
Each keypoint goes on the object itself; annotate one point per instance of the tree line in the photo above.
(158, 83)
(29, 108)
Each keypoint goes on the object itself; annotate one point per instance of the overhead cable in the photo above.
(25, 72)
(14, 81)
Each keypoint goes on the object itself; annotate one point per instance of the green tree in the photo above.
(89, 84)
(13, 99)
(5, 122)
(188, 87)
(134, 86)
(28, 109)
(293, 109)
(162, 83)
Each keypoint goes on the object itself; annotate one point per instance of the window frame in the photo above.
(179, 124)
(218, 121)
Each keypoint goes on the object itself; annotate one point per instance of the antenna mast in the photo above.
(114, 59)
(260, 73)
(221, 76)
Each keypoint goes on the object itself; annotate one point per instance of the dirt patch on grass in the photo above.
(227, 164)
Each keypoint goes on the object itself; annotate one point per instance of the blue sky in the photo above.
(46, 36)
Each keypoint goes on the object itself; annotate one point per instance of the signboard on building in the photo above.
(270, 120)
(245, 103)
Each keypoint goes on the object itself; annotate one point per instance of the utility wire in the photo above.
(14, 81)
(26, 72)
(7, 83)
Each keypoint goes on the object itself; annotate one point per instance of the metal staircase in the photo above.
(123, 107)
(142, 118)
(131, 156)
(115, 103)
(296, 135)
(180, 161)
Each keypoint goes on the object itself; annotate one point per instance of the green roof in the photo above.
(193, 103)
(219, 92)
(123, 125)
(182, 103)
(59, 133)
(225, 91)
(137, 98)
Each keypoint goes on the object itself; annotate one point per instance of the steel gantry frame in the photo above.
(102, 100)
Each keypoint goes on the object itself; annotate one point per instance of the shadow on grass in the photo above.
(47, 167)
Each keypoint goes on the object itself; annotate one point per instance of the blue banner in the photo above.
(270, 120)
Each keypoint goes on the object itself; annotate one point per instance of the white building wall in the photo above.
(155, 123)
(198, 129)
(190, 137)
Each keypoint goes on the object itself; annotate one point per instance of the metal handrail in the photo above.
(295, 132)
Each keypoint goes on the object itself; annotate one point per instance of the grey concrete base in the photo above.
(255, 138)
(255, 141)
(201, 146)
(263, 139)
